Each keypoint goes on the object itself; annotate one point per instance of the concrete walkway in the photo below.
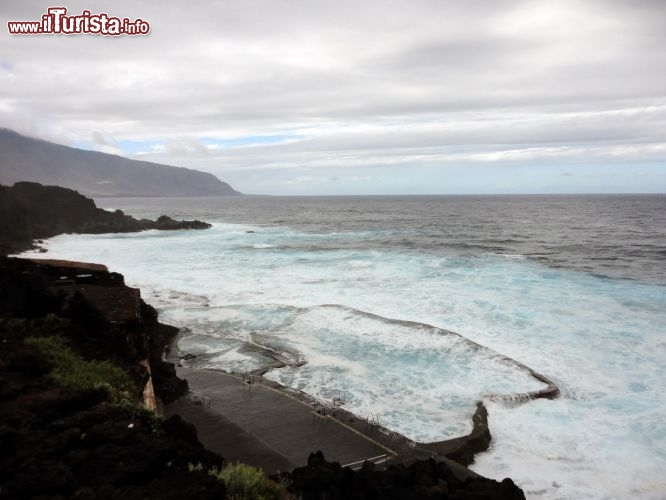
(221, 435)
(266, 427)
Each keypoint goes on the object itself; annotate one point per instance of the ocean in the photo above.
(369, 297)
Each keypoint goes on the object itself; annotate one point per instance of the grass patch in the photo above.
(244, 482)
(72, 371)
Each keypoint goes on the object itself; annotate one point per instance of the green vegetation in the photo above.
(155, 421)
(72, 371)
(247, 483)
(244, 482)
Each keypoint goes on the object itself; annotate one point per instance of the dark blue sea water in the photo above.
(619, 236)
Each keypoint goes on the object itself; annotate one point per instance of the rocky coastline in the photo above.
(30, 212)
(66, 434)
(84, 377)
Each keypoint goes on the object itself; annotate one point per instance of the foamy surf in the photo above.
(328, 349)
(601, 339)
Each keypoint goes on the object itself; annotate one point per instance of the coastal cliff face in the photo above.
(99, 174)
(30, 211)
(76, 344)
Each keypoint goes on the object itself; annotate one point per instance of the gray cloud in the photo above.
(349, 84)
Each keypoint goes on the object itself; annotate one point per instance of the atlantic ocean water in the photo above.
(379, 297)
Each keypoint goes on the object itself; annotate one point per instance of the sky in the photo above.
(314, 97)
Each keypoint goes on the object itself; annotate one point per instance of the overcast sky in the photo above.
(358, 97)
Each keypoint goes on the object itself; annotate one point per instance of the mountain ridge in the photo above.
(94, 173)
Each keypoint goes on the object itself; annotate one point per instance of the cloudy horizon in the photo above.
(386, 97)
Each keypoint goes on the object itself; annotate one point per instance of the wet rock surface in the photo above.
(463, 449)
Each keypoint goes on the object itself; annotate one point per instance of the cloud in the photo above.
(377, 84)
(98, 138)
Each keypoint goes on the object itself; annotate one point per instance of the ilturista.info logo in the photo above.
(56, 21)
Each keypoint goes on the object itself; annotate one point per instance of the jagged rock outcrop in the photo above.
(30, 211)
(422, 479)
(463, 449)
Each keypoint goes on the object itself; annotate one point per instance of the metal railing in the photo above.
(321, 410)
(378, 460)
(372, 419)
(340, 399)
(249, 379)
(199, 398)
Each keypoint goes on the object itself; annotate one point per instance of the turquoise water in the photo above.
(303, 295)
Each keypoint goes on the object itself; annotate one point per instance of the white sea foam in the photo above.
(235, 360)
(353, 352)
(602, 340)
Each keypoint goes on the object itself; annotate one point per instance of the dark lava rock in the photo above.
(167, 223)
(62, 442)
(463, 449)
(424, 479)
(30, 211)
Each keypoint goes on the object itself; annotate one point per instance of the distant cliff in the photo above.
(99, 174)
(29, 211)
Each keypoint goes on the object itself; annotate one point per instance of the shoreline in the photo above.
(459, 451)
(102, 299)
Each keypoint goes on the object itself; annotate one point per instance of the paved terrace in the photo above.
(265, 427)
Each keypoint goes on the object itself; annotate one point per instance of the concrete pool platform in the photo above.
(266, 426)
